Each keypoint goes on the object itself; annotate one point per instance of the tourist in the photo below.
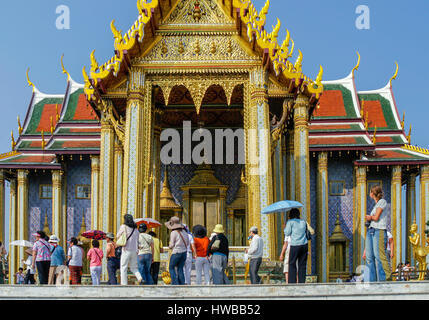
(29, 275)
(75, 255)
(284, 256)
(190, 255)
(390, 249)
(2, 268)
(255, 253)
(145, 254)
(219, 249)
(42, 257)
(297, 230)
(129, 250)
(408, 271)
(156, 260)
(95, 257)
(113, 258)
(202, 263)
(20, 276)
(376, 238)
(58, 258)
(179, 242)
(399, 272)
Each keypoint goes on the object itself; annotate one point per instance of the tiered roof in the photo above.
(347, 119)
(54, 125)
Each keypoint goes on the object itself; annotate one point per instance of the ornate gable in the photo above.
(197, 12)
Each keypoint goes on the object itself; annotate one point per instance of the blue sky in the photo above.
(324, 31)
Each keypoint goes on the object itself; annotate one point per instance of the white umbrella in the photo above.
(21, 243)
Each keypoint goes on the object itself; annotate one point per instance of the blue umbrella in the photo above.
(282, 206)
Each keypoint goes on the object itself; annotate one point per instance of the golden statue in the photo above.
(420, 253)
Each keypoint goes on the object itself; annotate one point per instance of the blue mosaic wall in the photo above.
(342, 170)
(78, 173)
(38, 208)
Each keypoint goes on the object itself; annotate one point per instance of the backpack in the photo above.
(118, 252)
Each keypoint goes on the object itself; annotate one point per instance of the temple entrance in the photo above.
(205, 209)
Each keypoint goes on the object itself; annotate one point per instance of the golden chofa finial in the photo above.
(64, 69)
(13, 141)
(395, 75)
(374, 138)
(409, 135)
(30, 84)
(357, 65)
(43, 140)
(298, 62)
(319, 76)
(20, 129)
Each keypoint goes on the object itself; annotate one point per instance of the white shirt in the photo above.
(133, 240)
(28, 263)
(75, 253)
(256, 247)
(382, 221)
(389, 236)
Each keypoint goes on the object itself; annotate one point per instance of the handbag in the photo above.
(122, 241)
(307, 232)
(216, 245)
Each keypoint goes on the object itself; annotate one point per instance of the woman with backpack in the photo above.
(179, 243)
(95, 256)
(219, 249)
(113, 254)
(42, 256)
(297, 228)
(130, 249)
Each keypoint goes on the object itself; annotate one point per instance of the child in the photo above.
(29, 276)
(20, 276)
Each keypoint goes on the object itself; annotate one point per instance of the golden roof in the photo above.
(167, 200)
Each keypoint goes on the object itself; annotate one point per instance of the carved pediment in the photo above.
(197, 12)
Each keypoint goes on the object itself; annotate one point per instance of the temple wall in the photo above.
(78, 173)
(342, 170)
(37, 207)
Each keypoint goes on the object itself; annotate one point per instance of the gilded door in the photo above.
(205, 212)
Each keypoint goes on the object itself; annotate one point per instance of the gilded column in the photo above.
(95, 182)
(119, 156)
(12, 251)
(57, 202)
(359, 231)
(230, 226)
(424, 201)
(137, 148)
(107, 161)
(290, 165)
(258, 142)
(156, 173)
(411, 213)
(2, 207)
(396, 212)
(322, 227)
(22, 211)
(301, 160)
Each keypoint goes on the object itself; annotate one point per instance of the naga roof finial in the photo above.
(30, 84)
(64, 69)
(357, 65)
(395, 75)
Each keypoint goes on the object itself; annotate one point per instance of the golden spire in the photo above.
(30, 84)
(319, 76)
(13, 141)
(298, 62)
(357, 65)
(395, 75)
(64, 69)
(46, 225)
(20, 129)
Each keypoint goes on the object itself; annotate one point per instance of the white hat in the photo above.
(54, 238)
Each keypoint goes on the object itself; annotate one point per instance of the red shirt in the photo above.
(201, 245)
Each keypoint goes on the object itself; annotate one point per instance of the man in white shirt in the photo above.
(255, 253)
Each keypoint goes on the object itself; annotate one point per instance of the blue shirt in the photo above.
(57, 257)
(295, 228)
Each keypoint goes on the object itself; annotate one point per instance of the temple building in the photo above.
(96, 152)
